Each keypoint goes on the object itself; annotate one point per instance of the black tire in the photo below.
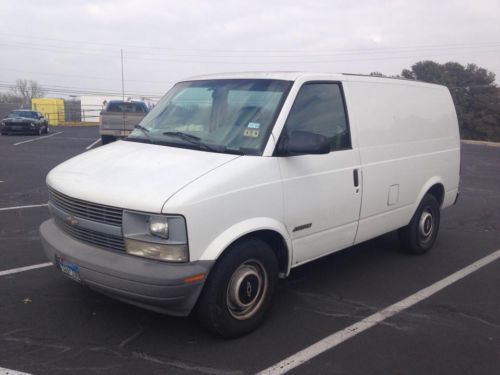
(39, 131)
(239, 289)
(419, 235)
(105, 139)
(46, 131)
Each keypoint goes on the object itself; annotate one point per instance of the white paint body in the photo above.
(404, 139)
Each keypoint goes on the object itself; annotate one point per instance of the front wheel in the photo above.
(239, 289)
(421, 233)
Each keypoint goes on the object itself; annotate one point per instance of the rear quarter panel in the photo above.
(408, 139)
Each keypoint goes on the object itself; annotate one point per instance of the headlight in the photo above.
(160, 237)
(158, 226)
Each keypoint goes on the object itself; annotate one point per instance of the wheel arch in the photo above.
(434, 186)
(268, 230)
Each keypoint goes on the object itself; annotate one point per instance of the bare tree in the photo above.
(27, 90)
(10, 98)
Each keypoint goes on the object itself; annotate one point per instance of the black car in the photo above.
(24, 121)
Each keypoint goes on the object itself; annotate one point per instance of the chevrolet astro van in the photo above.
(233, 180)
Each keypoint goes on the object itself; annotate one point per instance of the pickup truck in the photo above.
(119, 118)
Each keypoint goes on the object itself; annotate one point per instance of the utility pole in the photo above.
(123, 82)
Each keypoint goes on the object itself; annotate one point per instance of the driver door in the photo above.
(322, 193)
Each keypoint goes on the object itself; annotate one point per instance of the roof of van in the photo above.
(294, 75)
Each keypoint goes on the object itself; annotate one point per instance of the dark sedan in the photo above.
(24, 121)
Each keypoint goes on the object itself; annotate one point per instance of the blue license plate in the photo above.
(69, 269)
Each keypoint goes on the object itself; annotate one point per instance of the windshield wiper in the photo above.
(191, 139)
(144, 131)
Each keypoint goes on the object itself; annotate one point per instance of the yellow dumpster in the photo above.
(52, 109)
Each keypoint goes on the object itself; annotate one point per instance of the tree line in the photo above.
(22, 92)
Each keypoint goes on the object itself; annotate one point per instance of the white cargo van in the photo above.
(235, 179)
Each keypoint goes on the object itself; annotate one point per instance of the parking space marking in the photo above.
(36, 139)
(6, 371)
(22, 207)
(23, 269)
(339, 337)
(93, 144)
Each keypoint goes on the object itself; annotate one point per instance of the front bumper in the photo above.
(18, 128)
(154, 285)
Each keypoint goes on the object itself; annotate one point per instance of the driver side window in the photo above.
(319, 108)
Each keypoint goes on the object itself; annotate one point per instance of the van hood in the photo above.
(135, 176)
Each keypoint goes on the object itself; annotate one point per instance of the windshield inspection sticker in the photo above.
(253, 125)
(253, 133)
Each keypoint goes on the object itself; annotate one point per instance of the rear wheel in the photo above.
(105, 139)
(239, 289)
(419, 235)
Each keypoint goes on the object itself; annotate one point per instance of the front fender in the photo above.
(230, 235)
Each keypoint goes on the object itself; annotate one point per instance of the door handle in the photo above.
(355, 177)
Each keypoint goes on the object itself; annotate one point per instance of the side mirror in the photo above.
(303, 143)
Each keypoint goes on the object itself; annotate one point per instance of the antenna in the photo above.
(123, 82)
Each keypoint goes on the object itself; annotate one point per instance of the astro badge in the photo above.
(252, 130)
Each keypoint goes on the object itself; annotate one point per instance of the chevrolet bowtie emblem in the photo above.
(71, 220)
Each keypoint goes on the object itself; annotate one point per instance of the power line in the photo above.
(289, 61)
(86, 77)
(237, 51)
(381, 50)
(83, 91)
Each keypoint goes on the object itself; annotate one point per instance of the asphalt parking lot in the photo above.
(51, 325)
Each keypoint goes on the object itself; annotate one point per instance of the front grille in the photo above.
(95, 238)
(17, 124)
(86, 210)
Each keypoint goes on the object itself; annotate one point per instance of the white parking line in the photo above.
(92, 144)
(22, 207)
(27, 268)
(36, 139)
(339, 337)
(6, 371)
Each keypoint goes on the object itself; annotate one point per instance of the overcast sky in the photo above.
(76, 44)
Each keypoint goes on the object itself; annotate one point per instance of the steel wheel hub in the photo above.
(246, 289)
(425, 225)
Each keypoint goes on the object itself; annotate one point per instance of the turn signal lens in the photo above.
(167, 253)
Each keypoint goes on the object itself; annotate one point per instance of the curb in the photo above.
(480, 143)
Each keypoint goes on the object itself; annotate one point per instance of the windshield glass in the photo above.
(27, 114)
(231, 116)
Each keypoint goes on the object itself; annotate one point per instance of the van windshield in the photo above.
(228, 115)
